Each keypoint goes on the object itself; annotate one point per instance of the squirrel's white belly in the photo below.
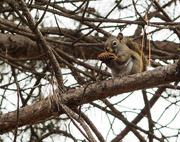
(124, 69)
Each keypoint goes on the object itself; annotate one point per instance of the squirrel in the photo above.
(123, 56)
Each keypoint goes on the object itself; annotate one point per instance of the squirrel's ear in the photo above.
(120, 36)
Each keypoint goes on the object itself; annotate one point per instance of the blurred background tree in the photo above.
(50, 47)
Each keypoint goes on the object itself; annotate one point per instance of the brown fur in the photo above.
(124, 56)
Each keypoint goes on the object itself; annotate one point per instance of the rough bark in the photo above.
(22, 47)
(99, 90)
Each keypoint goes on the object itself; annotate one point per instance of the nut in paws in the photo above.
(105, 56)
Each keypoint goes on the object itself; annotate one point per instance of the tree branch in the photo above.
(22, 47)
(99, 90)
(140, 115)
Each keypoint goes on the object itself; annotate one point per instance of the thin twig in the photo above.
(113, 109)
(176, 30)
(138, 118)
(138, 12)
(98, 24)
(147, 108)
(93, 127)
(85, 9)
(44, 13)
(18, 95)
(40, 38)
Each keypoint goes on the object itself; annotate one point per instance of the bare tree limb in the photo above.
(140, 115)
(42, 110)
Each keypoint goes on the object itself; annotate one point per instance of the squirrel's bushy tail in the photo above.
(135, 47)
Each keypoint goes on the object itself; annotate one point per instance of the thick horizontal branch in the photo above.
(22, 47)
(99, 90)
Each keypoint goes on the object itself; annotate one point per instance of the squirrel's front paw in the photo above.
(112, 56)
(121, 75)
(105, 56)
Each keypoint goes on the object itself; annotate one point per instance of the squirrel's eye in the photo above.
(114, 43)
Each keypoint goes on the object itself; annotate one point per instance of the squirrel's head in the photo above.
(112, 43)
